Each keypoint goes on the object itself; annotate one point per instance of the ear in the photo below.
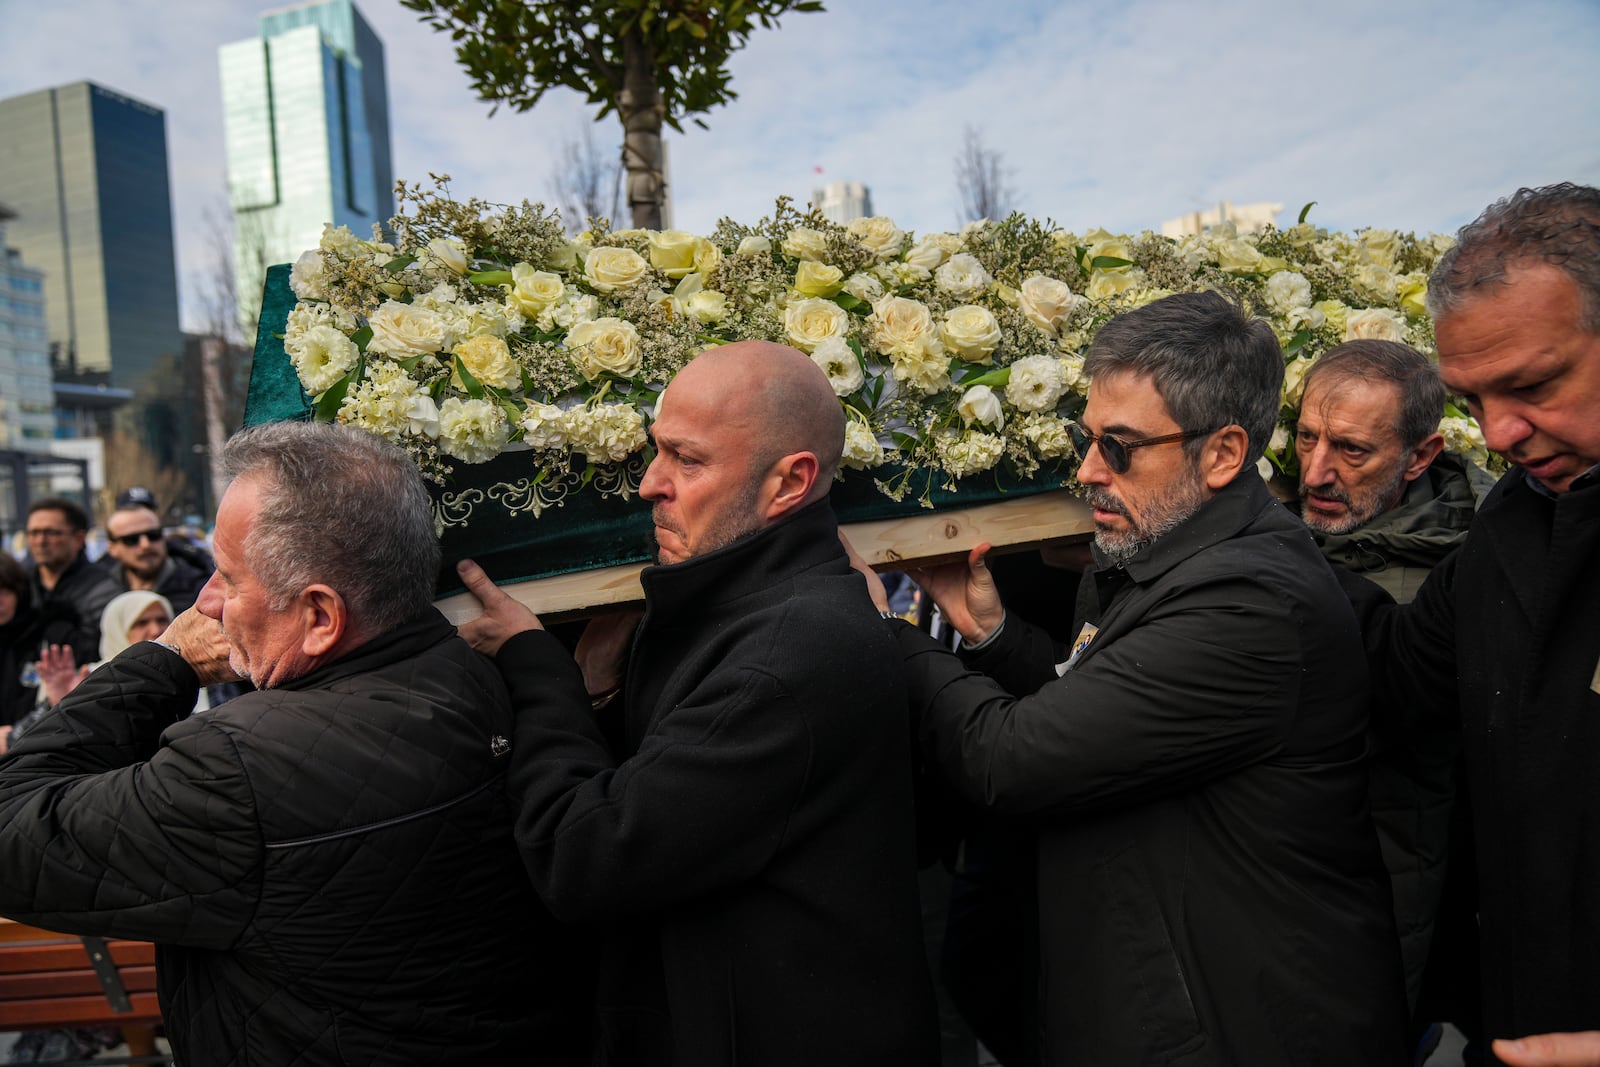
(326, 619)
(1223, 456)
(1421, 458)
(789, 482)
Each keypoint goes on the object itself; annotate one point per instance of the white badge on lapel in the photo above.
(1085, 635)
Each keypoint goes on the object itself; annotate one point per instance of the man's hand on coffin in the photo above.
(502, 616)
(965, 594)
(602, 651)
(875, 586)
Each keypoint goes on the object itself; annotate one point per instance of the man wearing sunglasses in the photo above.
(1192, 767)
(139, 557)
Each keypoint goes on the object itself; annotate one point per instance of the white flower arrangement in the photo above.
(478, 328)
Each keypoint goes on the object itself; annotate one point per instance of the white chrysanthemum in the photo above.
(1288, 291)
(544, 426)
(473, 431)
(979, 405)
(1046, 434)
(1036, 383)
(309, 276)
(861, 447)
(606, 432)
(342, 243)
(963, 277)
(969, 453)
(572, 311)
(838, 361)
(321, 357)
(307, 314)
(926, 371)
(383, 402)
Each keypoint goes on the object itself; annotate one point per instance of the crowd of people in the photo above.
(1261, 791)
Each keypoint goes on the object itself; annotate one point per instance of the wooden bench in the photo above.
(51, 981)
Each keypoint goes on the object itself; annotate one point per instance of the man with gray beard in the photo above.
(1193, 766)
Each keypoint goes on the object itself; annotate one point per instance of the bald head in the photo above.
(780, 395)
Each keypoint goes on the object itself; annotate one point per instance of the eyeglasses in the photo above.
(46, 533)
(1114, 450)
(133, 540)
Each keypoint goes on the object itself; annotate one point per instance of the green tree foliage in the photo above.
(649, 61)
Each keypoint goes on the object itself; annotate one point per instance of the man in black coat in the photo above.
(748, 843)
(1193, 765)
(326, 864)
(1504, 637)
(69, 593)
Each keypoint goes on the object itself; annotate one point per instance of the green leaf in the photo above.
(361, 338)
(1108, 262)
(490, 277)
(1306, 210)
(848, 302)
(399, 263)
(1298, 341)
(328, 404)
(473, 387)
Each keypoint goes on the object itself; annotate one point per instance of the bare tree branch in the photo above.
(587, 181)
(983, 189)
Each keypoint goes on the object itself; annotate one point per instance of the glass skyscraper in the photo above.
(84, 169)
(27, 421)
(306, 119)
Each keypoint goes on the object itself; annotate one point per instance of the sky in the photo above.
(1411, 115)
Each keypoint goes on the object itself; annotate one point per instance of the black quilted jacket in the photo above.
(327, 867)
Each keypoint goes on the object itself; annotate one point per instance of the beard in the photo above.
(733, 522)
(1362, 507)
(1164, 512)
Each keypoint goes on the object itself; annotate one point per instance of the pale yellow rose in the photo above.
(1301, 234)
(487, 359)
(754, 245)
(602, 345)
(402, 331)
(818, 279)
(707, 306)
(1294, 379)
(448, 254)
(1046, 301)
(809, 322)
(971, 332)
(1412, 290)
(1375, 324)
(532, 291)
(1238, 256)
(566, 257)
(1375, 282)
(707, 256)
(878, 234)
(979, 405)
(610, 269)
(672, 252)
(864, 287)
(805, 243)
(1333, 313)
(1105, 285)
(903, 327)
(927, 254)
(1378, 247)
(1109, 246)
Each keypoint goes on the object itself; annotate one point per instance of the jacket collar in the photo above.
(424, 630)
(807, 539)
(1215, 521)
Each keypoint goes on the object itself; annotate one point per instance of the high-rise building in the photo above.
(306, 121)
(843, 201)
(27, 422)
(1246, 218)
(84, 169)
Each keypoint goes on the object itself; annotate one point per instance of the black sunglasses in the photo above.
(132, 540)
(1114, 450)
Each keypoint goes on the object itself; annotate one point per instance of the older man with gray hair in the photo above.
(326, 864)
(1192, 767)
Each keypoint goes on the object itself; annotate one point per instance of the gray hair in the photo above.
(1411, 372)
(1554, 224)
(341, 507)
(1212, 364)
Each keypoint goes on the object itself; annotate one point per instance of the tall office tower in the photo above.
(84, 169)
(27, 419)
(306, 119)
(843, 201)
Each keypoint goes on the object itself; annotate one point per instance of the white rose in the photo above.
(754, 245)
(861, 447)
(803, 243)
(1375, 324)
(309, 276)
(1046, 301)
(402, 330)
(838, 361)
(473, 431)
(1105, 285)
(611, 269)
(1036, 383)
(864, 287)
(903, 327)
(448, 254)
(1376, 282)
(487, 359)
(532, 291)
(672, 252)
(1378, 247)
(979, 404)
(971, 332)
(878, 234)
(927, 254)
(962, 276)
(1238, 256)
(422, 414)
(811, 321)
(604, 345)
(566, 257)
(1294, 379)
(321, 357)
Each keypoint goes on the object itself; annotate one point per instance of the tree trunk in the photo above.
(639, 107)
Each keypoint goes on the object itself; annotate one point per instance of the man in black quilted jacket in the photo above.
(325, 864)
